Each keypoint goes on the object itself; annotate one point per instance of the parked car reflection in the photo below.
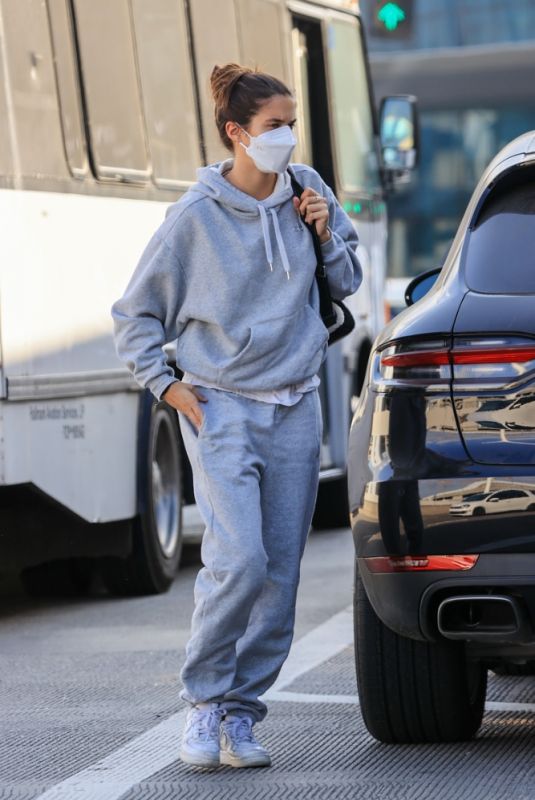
(498, 413)
(496, 503)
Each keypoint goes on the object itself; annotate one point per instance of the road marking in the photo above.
(157, 748)
(304, 697)
(353, 699)
(315, 647)
(115, 774)
(496, 706)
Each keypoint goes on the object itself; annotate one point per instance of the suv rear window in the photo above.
(500, 255)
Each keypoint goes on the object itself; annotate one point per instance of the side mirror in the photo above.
(399, 135)
(420, 285)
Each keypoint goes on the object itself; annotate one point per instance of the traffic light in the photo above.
(392, 20)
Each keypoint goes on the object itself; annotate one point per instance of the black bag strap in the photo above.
(327, 311)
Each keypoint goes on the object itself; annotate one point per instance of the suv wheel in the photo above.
(412, 691)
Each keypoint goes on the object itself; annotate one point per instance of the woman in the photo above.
(250, 344)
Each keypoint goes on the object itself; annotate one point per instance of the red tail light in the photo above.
(491, 362)
(490, 355)
(496, 360)
(425, 358)
(388, 564)
(422, 362)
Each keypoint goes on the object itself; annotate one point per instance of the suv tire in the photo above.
(412, 691)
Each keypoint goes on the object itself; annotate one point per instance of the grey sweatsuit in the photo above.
(246, 315)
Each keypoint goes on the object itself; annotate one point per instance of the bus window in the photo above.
(261, 36)
(66, 72)
(215, 43)
(32, 88)
(313, 94)
(303, 150)
(167, 89)
(356, 156)
(111, 88)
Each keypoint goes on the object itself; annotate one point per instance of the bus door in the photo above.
(338, 133)
(359, 183)
(314, 148)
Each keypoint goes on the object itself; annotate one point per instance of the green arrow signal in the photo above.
(391, 15)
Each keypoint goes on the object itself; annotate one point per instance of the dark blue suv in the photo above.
(441, 475)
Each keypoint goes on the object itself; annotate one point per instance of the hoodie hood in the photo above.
(212, 183)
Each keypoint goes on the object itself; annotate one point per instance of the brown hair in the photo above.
(238, 93)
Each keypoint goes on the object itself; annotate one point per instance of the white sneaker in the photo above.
(238, 746)
(200, 739)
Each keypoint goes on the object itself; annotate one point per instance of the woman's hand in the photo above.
(184, 397)
(314, 208)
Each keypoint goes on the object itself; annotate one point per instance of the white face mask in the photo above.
(272, 150)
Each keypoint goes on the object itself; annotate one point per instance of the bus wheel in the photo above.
(157, 533)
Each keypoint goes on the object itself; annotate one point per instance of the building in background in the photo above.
(471, 63)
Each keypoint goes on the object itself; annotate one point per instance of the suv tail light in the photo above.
(415, 363)
(491, 361)
(496, 361)
(387, 564)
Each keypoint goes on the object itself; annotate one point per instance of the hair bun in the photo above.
(223, 79)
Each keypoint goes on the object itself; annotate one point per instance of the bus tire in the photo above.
(157, 532)
(412, 691)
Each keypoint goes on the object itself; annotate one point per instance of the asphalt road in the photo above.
(89, 706)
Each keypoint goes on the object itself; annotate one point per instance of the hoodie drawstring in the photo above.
(280, 242)
(267, 238)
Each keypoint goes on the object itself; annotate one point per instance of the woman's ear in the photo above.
(231, 129)
(233, 132)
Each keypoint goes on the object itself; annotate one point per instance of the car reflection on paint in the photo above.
(497, 414)
(495, 503)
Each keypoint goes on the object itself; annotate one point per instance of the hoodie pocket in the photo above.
(287, 337)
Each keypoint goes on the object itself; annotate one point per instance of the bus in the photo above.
(105, 115)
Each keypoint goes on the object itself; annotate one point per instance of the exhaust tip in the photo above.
(498, 618)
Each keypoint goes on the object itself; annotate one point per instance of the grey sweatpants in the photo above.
(255, 475)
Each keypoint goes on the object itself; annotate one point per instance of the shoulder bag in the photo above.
(336, 316)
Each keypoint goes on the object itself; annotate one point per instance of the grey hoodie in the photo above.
(231, 278)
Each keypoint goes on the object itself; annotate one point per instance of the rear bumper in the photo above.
(408, 603)
(407, 467)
